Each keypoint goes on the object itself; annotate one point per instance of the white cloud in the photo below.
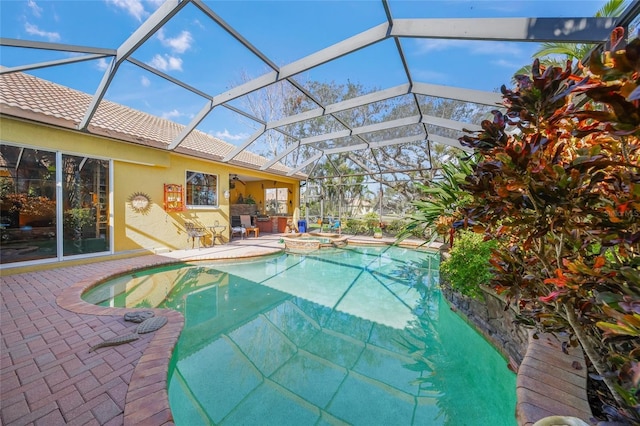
(503, 63)
(134, 8)
(34, 30)
(37, 10)
(198, 23)
(433, 45)
(474, 47)
(226, 136)
(145, 81)
(103, 64)
(166, 63)
(172, 114)
(178, 44)
(432, 76)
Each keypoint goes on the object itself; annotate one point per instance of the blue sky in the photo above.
(193, 49)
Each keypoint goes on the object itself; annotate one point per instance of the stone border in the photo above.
(147, 400)
(551, 376)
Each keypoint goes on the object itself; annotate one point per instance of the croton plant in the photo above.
(558, 187)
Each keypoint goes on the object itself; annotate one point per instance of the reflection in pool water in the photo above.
(350, 336)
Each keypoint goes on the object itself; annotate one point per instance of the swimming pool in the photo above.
(358, 335)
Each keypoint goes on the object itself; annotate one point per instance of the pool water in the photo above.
(344, 336)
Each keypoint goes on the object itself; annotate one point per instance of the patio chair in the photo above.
(194, 232)
(245, 221)
(335, 226)
(237, 228)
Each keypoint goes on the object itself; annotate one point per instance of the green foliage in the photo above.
(395, 226)
(367, 225)
(561, 195)
(372, 220)
(78, 218)
(468, 266)
(441, 199)
(355, 226)
(555, 54)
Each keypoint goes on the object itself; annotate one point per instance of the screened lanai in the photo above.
(373, 92)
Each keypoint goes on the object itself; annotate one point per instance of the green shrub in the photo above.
(395, 226)
(468, 266)
(371, 220)
(355, 227)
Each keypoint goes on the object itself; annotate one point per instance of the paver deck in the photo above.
(552, 381)
(47, 374)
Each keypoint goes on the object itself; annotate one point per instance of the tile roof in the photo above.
(28, 97)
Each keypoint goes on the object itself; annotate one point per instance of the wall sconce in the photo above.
(226, 194)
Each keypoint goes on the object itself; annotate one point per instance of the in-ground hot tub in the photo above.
(313, 241)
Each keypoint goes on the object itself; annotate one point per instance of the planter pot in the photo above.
(377, 235)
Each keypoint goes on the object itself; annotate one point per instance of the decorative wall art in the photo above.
(140, 202)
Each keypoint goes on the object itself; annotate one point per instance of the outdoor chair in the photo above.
(335, 226)
(194, 232)
(237, 228)
(245, 221)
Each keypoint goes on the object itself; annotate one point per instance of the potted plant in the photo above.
(377, 232)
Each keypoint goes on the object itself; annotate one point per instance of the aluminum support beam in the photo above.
(325, 137)
(567, 30)
(337, 50)
(43, 45)
(446, 141)
(169, 78)
(206, 109)
(246, 143)
(229, 29)
(348, 148)
(305, 164)
(51, 63)
(369, 98)
(277, 158)
(349, 45)
(398, 141)
(160, 17)
(460, 94)
(393, 124)
(449, 124)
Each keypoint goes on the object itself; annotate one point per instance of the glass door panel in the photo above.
(27, 204)
(85, 198)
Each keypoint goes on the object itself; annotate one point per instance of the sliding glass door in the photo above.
(51, 204)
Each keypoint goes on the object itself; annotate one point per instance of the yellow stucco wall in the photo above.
(138, 169)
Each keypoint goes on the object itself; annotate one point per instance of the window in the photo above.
(202, 189)
(276, 200)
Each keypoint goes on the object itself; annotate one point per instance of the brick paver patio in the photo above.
(48, 376)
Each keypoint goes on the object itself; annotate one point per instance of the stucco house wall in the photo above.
(143, 169)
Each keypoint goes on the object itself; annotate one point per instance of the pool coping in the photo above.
(145, 398)
(551, 381)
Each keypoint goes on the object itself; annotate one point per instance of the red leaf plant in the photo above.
(558, 187)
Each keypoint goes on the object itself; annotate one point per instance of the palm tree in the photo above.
(556, 54)
(442, 198)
